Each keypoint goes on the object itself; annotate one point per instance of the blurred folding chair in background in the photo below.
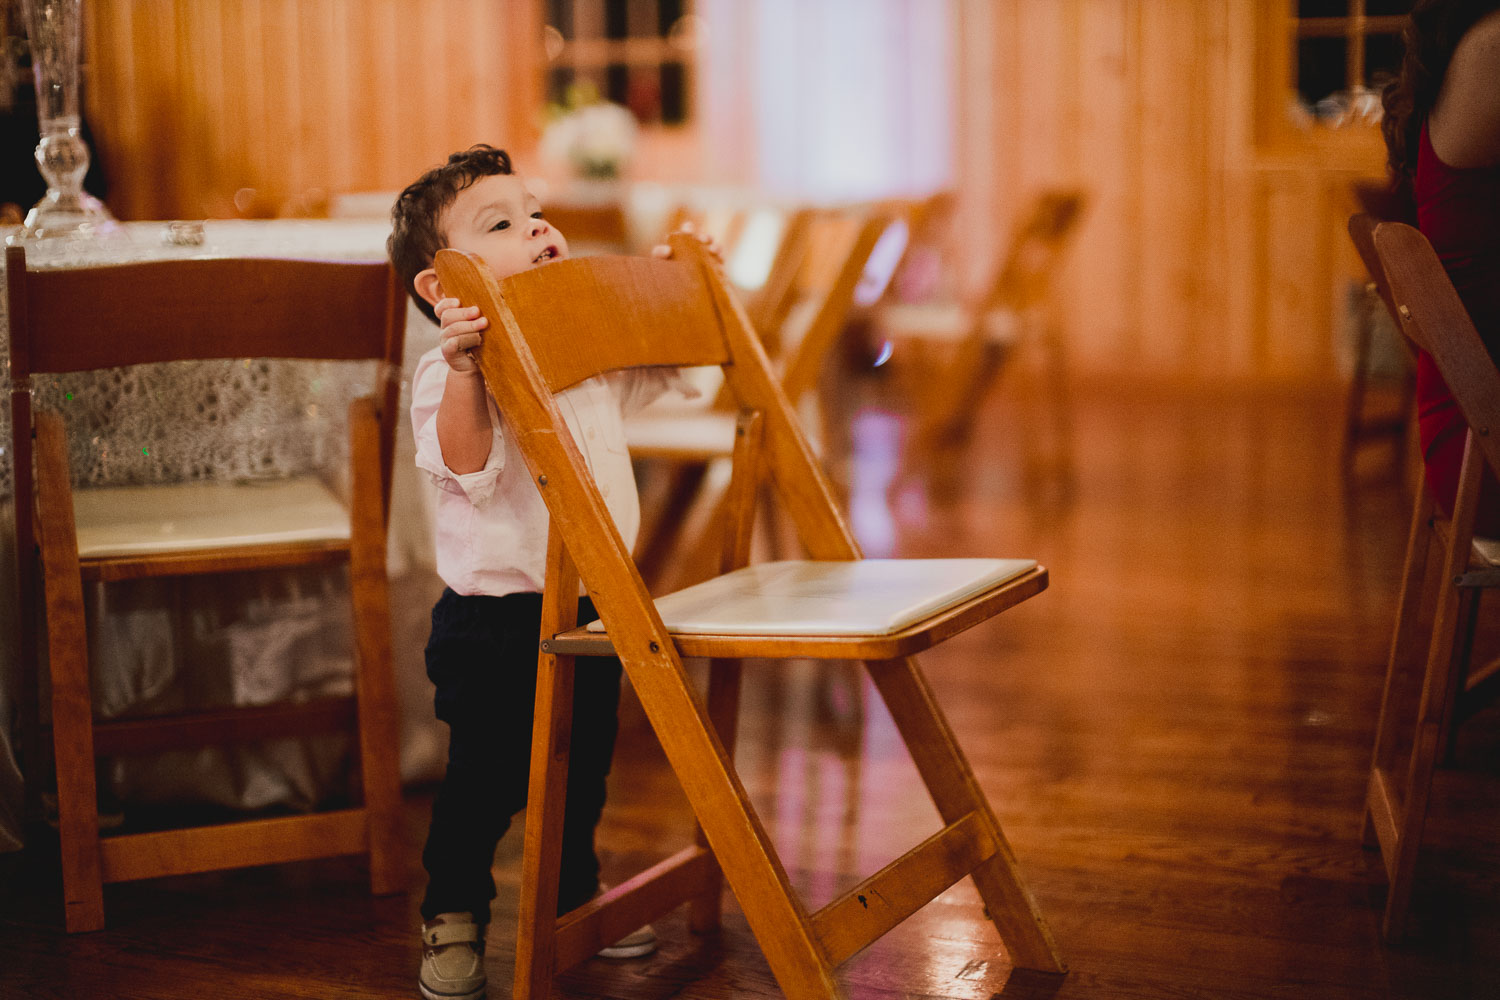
(83, 319)
(802, 306)
(976, 339)
(556, 326)
(1431, 683)
(596, 227)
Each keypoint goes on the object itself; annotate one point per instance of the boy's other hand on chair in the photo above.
(664, 252)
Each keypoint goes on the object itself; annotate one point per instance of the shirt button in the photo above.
(592, 433)
(604, 490)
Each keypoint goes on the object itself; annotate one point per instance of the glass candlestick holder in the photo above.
(66, 211)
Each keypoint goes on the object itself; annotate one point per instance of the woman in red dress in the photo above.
(1442, 134)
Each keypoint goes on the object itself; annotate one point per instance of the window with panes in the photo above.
(638, 53)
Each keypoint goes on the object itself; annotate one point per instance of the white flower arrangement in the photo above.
(594, 138)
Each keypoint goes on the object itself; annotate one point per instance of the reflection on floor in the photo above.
(1175, 735)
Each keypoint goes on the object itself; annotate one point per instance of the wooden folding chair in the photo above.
(75, 320)
(1011, 313)
(798, 314)
(1430, 685)
(554, 326)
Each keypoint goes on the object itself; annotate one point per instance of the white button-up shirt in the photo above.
(491, 530)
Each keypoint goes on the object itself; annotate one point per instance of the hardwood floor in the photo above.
(1175, 735)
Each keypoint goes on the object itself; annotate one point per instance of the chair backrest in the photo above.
(81, 319)
(1430, 313)
(831, 253)
(769, 307)
(554, 326)
(1025, 276)
(604, 224)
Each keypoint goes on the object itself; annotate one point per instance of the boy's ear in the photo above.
(428, 286)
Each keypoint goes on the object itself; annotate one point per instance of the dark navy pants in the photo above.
(481, 657)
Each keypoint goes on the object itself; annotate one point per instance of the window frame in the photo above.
(1278, 30)
(594, 55)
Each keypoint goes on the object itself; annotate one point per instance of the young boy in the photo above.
(491, 538)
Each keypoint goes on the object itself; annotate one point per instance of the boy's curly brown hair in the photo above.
(415, 233)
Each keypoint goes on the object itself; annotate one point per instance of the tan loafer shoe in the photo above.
(452, 958)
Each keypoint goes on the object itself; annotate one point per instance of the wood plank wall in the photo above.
(1212, 247)
(195, 100)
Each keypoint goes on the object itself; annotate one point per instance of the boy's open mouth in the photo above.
(548, 254)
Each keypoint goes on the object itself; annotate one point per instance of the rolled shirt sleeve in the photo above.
(427, 392)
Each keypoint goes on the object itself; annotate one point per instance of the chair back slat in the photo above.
(1434, 317)
(582, 318)
(1025, 277)
(157, 311)
(768, 309)
(837, 250)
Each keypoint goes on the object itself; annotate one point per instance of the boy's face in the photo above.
(497, 218)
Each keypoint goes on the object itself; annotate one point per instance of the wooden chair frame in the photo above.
(1436, 687)
(681, 312)
(83, 319)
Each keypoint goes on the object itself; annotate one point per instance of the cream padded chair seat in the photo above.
(1488, 549)
(943, 321)
(804, 597)
(139, 520)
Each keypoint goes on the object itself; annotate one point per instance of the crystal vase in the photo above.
(55, 28)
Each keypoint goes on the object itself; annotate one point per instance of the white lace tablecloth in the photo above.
(159, 645)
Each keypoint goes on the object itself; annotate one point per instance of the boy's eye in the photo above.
(538, 214)
(502, 224)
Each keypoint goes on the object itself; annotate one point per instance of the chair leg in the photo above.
(72, 700)
(546, 795)
(552, 730)
(379, 732)
(1419, 582)
(1438, 690)
(956, 793)
(1453, 711)
(723, 711)
(778, 920)
(73, 751)
(375, 681)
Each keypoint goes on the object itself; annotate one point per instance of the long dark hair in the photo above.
(1432, 33)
